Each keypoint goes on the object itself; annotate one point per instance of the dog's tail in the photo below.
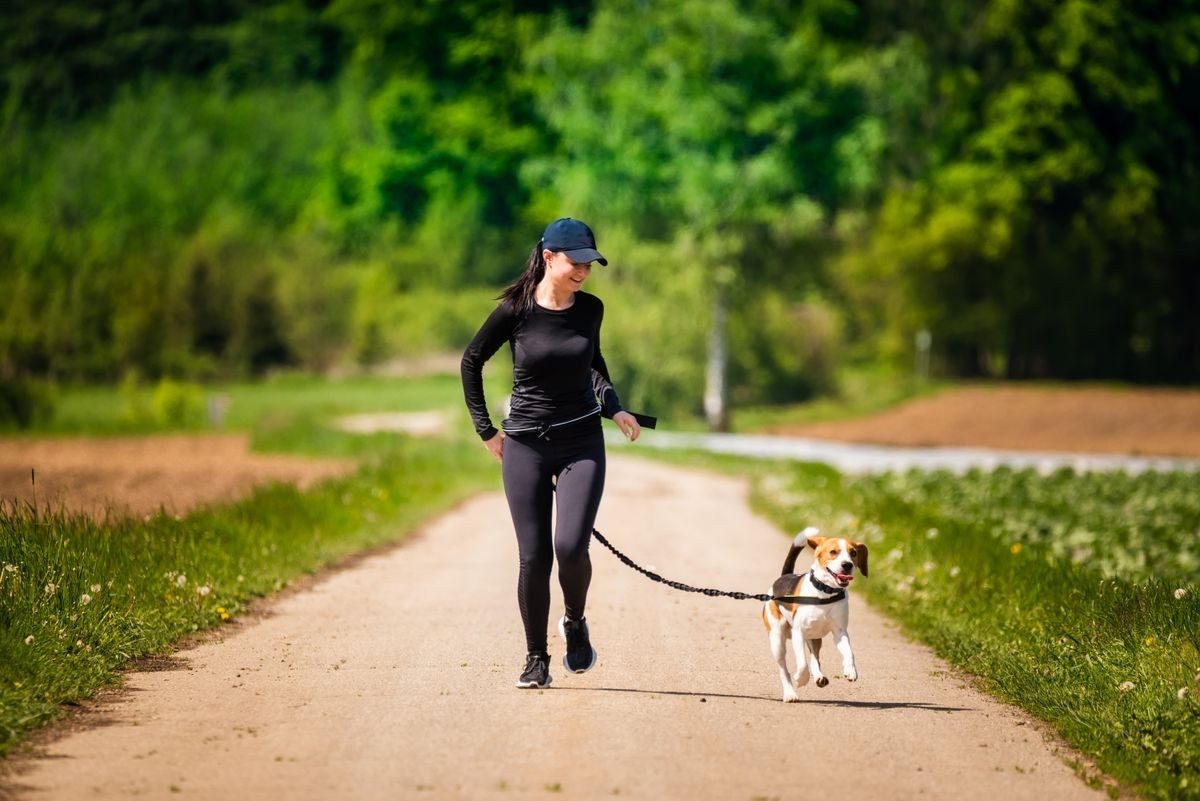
(798, 545)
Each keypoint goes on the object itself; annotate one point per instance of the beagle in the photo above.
(819, 607)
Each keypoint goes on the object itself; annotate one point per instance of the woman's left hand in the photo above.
(628, 425)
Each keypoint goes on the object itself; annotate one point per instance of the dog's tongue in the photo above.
(844, 580)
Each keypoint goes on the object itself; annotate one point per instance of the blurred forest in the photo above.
(216, 188)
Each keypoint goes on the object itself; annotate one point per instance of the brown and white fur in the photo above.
(833, 565)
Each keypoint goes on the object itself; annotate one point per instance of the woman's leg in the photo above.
(530, 493)
(580, 487)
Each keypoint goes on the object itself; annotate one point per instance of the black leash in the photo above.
(740, 596)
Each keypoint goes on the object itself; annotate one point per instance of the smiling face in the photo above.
(563, 274)
(837, 557)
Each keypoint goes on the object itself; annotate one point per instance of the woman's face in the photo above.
(565, 274)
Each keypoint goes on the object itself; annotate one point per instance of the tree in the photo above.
(709, 124)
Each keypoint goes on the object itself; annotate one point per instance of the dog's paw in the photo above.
(791, 698)
(800, 679)
(851, 674)
(822, 682)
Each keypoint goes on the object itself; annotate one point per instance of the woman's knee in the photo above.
(572, 551)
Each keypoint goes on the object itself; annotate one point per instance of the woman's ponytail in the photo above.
(521, 293)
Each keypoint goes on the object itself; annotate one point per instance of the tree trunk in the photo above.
(716, 407)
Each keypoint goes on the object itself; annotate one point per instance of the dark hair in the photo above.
(520, 293)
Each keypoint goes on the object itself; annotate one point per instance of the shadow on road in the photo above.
(882, 705)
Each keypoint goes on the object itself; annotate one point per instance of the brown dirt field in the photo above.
(1164, 422)
(141, 475)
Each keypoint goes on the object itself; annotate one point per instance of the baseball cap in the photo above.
(570, 236)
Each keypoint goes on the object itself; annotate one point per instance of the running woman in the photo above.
(551, 442)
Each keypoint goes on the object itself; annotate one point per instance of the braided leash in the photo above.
(739, 596)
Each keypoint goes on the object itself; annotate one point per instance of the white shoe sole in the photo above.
(533, 685)
(562, 631)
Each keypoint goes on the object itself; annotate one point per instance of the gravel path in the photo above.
(393, 678)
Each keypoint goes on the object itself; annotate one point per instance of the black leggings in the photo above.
(574, 457)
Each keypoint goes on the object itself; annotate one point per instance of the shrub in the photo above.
(177, 404)
(24, 403)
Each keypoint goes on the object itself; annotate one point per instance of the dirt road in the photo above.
(394, 679)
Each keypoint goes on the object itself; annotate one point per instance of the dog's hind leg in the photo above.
(814, 647)
(779, 638)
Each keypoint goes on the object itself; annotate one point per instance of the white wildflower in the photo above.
(29, 640)
(895, 554)
(95, 588)
(954, 571)
(1125, 686)
(1183, 691)
(1179, 593)
(85, 599)
(241, 578)
(50, 588)
(931, 534)
(79, 644)
(203, 590)
(10, 568)
(180, 580)
(928, 567)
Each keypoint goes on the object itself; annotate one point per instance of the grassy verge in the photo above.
(1072, 596)
(79, 600)
(139, 409)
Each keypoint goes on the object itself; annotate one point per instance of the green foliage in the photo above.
(1039, 221)
(224, 189)
(178, 405)
(25, 403)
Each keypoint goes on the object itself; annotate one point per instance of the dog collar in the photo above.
(817, 585)
(808, 600)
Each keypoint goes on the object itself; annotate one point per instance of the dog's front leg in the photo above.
(842, 639)
(779, 637)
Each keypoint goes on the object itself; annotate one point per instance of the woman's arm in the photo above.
(610, 404)
(494, 332)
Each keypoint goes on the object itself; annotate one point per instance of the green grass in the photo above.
(93, 410)
(1055, 591)
(79, 600)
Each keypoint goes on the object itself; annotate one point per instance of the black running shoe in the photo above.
(580, 656)
(536, 673)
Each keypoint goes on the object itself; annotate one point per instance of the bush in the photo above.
(24, 403)
(177, 404)
(172, 404)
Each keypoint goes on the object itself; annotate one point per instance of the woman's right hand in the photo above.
(495, 446)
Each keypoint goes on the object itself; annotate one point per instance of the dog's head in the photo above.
(837, 557)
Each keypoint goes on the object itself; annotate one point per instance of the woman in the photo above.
(551, 441)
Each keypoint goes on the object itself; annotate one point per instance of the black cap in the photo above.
(574, 238)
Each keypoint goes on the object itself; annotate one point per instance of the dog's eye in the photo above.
(853, 553)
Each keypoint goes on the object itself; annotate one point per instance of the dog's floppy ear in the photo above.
(814, 542)
(860, 556)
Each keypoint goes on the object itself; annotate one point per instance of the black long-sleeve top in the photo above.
(559, 373)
